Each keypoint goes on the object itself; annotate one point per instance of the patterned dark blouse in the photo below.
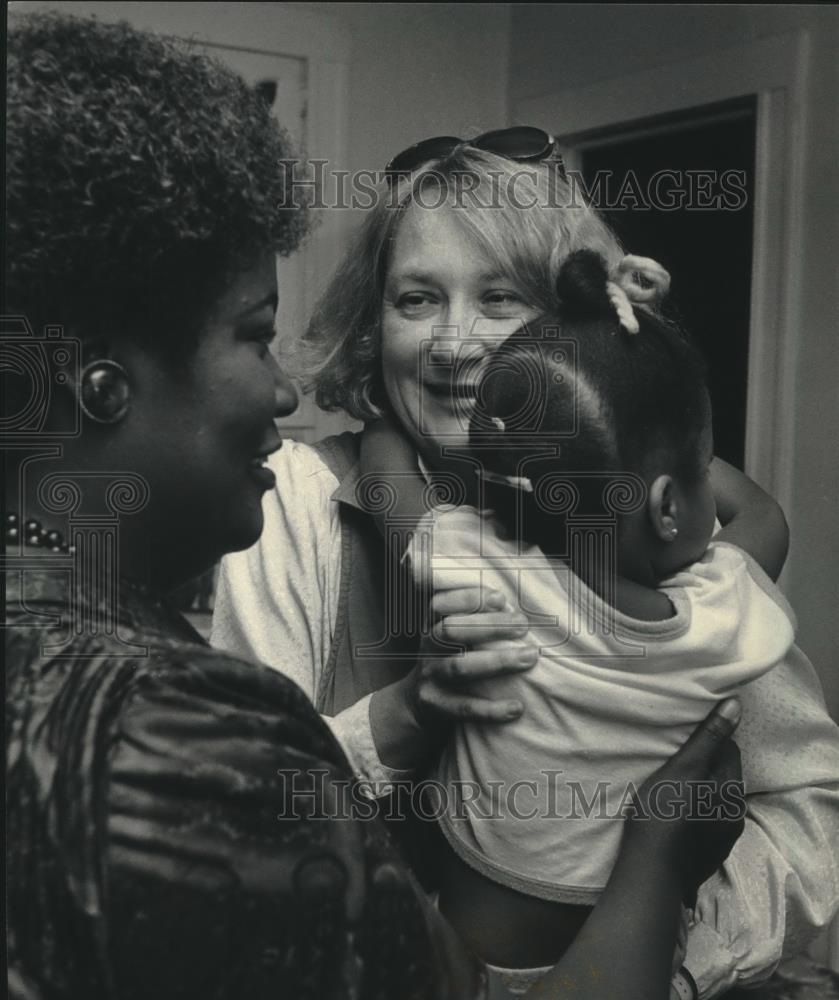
(146, 777)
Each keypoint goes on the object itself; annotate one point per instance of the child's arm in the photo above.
(751, 519)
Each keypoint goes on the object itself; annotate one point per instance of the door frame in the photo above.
(773, 69)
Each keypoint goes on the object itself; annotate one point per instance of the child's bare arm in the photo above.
(751, 519)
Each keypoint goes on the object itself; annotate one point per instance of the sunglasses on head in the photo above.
(522, 143)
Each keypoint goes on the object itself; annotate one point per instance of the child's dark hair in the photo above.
(612, 401)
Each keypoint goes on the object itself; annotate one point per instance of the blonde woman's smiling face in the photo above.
(445, 308)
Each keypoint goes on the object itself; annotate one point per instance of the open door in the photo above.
(680, 188)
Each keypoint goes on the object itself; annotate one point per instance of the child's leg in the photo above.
(501, 925)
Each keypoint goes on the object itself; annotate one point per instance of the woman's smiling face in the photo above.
(445, 308)
(201, 437)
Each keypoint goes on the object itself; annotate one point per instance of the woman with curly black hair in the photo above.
(156, 847)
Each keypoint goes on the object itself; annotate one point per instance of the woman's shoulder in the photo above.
(328, 460)
(301, 506)
(174, 708)
(187, 689)
(150, 668)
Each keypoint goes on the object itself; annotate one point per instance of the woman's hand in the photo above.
(690, 811)
(411, 718)
(625, 948)
(443, 684)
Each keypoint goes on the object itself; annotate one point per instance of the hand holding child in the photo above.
(690, 811)
(412, 717)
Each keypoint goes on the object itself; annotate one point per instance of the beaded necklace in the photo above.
(34, 535)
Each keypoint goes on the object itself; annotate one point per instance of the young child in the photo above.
(592, 437)
(674, 623)
(593, 434)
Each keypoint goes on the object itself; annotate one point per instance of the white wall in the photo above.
(557, 47)
(420, 70)
(415, 70)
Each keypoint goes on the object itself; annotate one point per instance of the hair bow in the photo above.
(636, 280)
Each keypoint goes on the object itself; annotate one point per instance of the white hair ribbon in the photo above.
(642, 278)
(622, 306)
(636, 279)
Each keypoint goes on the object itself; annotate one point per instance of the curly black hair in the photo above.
(140, 175)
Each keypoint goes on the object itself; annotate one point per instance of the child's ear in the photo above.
(662, 508)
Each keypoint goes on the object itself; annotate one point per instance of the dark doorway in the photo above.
(679, 188)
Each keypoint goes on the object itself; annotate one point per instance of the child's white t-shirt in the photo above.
(538, 804)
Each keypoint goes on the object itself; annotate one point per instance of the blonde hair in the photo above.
(526, 218)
